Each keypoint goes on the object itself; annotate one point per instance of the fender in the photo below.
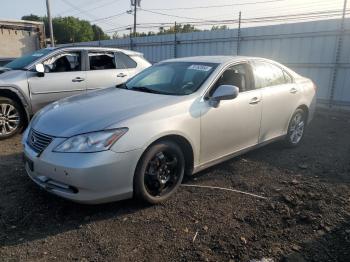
(25, 102)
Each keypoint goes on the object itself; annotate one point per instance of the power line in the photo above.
(292, 17)
(108, 17)
(83, 11)
(177, 16)
(98, 7)
(215, 6)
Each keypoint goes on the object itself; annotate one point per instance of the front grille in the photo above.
(37, 141)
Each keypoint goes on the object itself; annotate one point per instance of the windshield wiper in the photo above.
(122, 86)
(145, 89)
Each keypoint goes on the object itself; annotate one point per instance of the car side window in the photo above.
(101, 60)
(267, 74)
(124, 61)
(237, 75)
(63, 62)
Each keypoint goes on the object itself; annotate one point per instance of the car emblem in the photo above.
(33, 139)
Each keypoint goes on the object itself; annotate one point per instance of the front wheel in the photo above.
(159, 172)
(296, 128)
(11, 118)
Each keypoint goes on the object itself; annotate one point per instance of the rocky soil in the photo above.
(305, 216)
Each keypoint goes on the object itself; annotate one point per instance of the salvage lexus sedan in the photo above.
(173, 119)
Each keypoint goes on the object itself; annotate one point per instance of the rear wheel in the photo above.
(159, 172)
(11, 118)
(296, 128)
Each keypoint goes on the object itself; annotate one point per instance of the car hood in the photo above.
(7, 75)
(95, 111)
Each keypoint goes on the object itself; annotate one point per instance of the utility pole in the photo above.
(130, 36)
(135, 11)
(175, 41)
(50, 22)
(338, 51)
(239, 33)
(135, 3)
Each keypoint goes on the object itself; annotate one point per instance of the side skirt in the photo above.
(232, 155)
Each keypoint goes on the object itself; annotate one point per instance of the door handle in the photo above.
(254, 100)
(293, 90)
(121, 75)
(78, 79)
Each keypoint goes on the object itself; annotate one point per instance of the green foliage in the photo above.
(187, 28)
(32, 17)
(99, 34)
(219, 27)
(70, 29)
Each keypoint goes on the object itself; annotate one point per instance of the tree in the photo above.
(219, 27)
(99, 34)
(32, 17)
(187, 28)
(70, 29)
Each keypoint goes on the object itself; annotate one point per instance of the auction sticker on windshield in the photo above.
(200, 67)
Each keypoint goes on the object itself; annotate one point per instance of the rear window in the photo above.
(101, 60)
(124, 61)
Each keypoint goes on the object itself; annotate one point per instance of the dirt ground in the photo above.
(306, 216)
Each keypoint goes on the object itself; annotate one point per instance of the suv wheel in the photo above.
(11, 118)
(296, 128)
(159, 172)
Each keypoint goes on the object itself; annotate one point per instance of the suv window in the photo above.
(63, 62)
(101, 60)
(267, 74)
(124, 61)
(237, 75)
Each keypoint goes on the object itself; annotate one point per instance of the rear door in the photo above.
(127, 62)
(103, 70)
(64, 76)
(280, 97)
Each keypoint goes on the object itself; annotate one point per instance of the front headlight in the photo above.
(91, 142)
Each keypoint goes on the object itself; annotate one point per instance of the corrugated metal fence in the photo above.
(310, 48)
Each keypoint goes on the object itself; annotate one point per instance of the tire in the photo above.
(296, 129)
(11, 118)
(159, 172)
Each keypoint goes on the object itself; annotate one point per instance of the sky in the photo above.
(111, 16)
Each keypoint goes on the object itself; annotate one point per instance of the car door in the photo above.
(63, 77)
(234, 125)
(104, 70)
(280, 98)
(125, 61)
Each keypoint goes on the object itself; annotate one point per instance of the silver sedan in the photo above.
(173, 119)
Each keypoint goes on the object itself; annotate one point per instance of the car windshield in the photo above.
(172, 78)
(22, 62)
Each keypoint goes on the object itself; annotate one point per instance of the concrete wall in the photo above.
(19, 38)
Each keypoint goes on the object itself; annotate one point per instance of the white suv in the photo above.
(30, 82)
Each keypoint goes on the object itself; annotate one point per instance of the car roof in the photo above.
(128, 52)
(226, 60)
(210, 59)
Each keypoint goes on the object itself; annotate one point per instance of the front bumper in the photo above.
(90, 178)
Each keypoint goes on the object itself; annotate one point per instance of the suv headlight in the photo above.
(91, 142)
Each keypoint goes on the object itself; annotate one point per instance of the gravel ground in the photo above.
(306, 216)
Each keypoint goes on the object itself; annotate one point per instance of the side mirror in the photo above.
(40, 69)
(223, 92)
